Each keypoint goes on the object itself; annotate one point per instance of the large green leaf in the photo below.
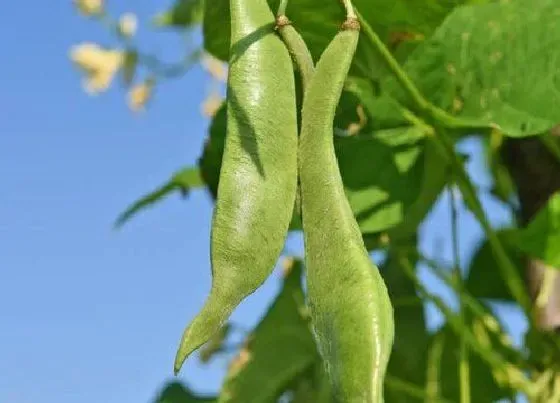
(318, 23)
(541, 238)
(280, 349)
(174, 392)
(493, 65)
(381, 174)
(182, 181)
(484, 279)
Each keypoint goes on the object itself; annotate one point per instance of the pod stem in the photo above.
(282, 7)
(350, 13)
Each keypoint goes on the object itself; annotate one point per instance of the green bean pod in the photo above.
(349, 304)
(258, 177)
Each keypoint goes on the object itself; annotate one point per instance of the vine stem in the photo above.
(151, 62)
(508, 271)
(350, 12)
(516, 377)
(393, 65)
(409, 388)
(464, 369)
(473, 305)
(282, 7)
(421, 102)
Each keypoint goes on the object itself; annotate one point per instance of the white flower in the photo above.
(128, 24)
(99, 65)
(89, 8)
(139, 95)
(215, 67)
(211, 104)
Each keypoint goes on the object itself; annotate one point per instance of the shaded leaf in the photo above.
(541, 238)
(411, 336)
(313, 386)
(475, 65)
(214, 345)
(182, 181)
(483, 278)
(174, 392)
(483, 386)
(418, 19)
(210, 161)
(381, 174)
(280, 349)
(183, 14)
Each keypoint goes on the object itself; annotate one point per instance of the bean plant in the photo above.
(340, 123)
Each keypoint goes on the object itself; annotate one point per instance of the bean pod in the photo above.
(350, 308)
(258, 177)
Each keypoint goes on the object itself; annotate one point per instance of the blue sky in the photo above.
(90, 314)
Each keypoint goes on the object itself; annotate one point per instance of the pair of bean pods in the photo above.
(352, 316)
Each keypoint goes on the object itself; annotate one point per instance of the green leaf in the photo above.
(475, 65)
(484, 279)
(381, 172)
(313, 386)
(317, 27)
(183, 181)
(411, 336)
(183, 14)
(541, 238)
(211, 160)
(279, 350)
(214, 345)
(483, 386)
(174, 392)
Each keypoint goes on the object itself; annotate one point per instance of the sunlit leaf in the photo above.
(476, 66)
(182, 181)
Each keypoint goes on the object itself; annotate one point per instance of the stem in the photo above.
(508, 271)
(516, 376)
(421, 102)
(464, 369)
(282, 8)
(475, 306)
(350, 13)
(151, 62)
(394, 65)
(409, 388)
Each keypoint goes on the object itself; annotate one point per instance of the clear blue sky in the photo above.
(89, 314)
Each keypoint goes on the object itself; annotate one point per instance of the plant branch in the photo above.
(508, 271)
(464, 369)
(516, 377)
(409, 388)
(421, 102)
